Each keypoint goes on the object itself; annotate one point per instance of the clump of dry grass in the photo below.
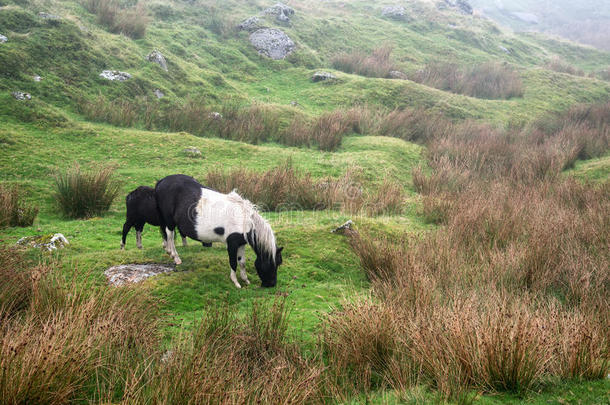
(285, 188)
(378, 64)
(512, 289)
(489, 80)
(130, 21)
(14, 211)
(558, 65)
(60, 342)
(83, 194)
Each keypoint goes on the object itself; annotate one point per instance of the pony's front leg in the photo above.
(232, 250)
(241, 259)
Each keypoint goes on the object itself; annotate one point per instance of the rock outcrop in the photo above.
(134, 273)
(397, 74)
(526, 17)
(272, 42)
(158, 58)
(3, 39)
(115, 75)
(158, 93)
(282, 12)
(250, 24)
(394, 12)
(192, 152)
(322, 76)
(19, 95)
(460, 5)
(47, 242)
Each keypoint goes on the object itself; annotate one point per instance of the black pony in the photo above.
(142, 209)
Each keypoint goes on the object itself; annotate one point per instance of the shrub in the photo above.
(130, 21)
(558, 65)
(377, 64)
(81, 194)
(14, 211)
(489, 80)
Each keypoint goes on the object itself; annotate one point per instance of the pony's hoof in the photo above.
(247, 282)
(177, 261)
(237, 285)
(122, 247)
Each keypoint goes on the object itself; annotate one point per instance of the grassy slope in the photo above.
(215, 63)
(319, 269)
(44, 135)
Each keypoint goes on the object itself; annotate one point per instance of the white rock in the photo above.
(21, 95)
(272, 42)
(3, 39)
(134, 273)
(115, 75)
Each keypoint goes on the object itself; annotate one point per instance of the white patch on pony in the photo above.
(233, 213)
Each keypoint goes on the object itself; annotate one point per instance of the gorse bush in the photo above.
(489, 80)
(84, 194)
(131, 21)
(14, 211)
(377, 64)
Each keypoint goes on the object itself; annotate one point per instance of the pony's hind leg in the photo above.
(139, 229)
(241, 259)
(172, 246)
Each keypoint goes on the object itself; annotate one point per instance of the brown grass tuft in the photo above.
(14, 211)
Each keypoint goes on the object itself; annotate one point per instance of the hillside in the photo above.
(584, 21)
(472, 159)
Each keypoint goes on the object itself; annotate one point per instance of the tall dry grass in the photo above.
(131, 21)
(63, 342)
(285, 188)
(377, 64)
(14, 210)
(490, 80)
(511, 291)
(83, 194)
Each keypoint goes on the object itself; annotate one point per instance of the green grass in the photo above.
(319, 268)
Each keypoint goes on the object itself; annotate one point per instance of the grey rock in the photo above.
(47, 242)
(397, 74)
(281, 12)
(461, 5)
(158, 93)
(250, 24)
(272, 42)
(37, 78)
(294, 103)
(395, 12)
(115, 75)
(322, 76)
(158, 58)
(526, 17)
(504, 49)
(19, 95)
(134, 273)
(346, 226)
(216, 116)
(3, 39)
(192, 152)
(47, 16)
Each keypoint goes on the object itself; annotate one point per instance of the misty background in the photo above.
(584, 21)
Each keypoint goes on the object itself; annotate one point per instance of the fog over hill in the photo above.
(586, 21)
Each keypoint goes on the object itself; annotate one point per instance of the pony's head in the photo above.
(266, 267)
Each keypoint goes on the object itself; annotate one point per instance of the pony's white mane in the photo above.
(265, 239)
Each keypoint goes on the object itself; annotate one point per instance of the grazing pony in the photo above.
(209, 216)
(142, 209)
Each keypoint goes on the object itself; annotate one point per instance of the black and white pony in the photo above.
(209, 216)
(142, 209)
